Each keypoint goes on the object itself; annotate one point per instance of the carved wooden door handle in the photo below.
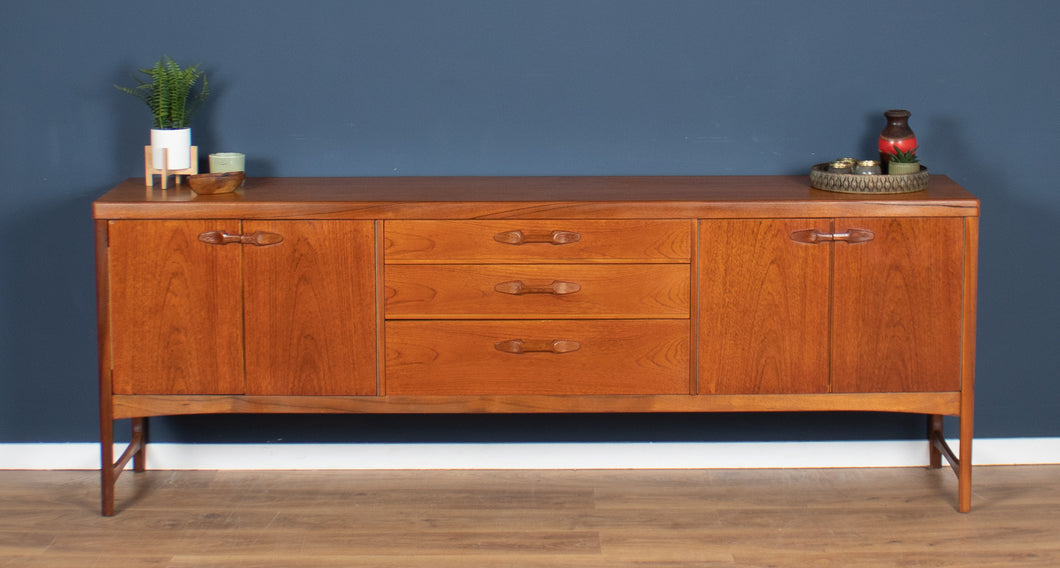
(550, 238)
(257, 238)
(813, 236)
(519, 346)
(556, 288)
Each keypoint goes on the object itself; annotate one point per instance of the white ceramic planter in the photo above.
(178, 142)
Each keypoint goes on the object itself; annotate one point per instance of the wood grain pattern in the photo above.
(310, 309)
(601, 241)
(460, 357)
(469, 291)
(175, 309)
(947, 403)
(878, 517)
(623, 197)
(763, 312)
(898, 306)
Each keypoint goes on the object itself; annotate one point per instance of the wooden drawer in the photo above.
(558, 358)
(538, 241)
(538, 291)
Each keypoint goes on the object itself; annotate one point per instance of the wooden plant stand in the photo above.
(165, 172)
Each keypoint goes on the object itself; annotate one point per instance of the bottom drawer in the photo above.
(551, 357)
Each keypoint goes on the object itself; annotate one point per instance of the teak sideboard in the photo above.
(535, 295)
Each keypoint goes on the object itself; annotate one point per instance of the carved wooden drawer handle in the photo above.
(257, 238)
(551, 238)
(556, 288)
(519, 346)
(813, 236)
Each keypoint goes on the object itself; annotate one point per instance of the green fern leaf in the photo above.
(169, 91)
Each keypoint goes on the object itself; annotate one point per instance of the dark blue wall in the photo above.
(421, 87)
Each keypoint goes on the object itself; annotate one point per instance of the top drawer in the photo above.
(509, 241)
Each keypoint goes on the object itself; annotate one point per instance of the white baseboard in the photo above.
(741, 455)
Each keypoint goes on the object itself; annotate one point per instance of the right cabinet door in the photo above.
(896, 306)
(309, 309)
(789, 306)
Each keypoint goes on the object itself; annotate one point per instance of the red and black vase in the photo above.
(896, 136)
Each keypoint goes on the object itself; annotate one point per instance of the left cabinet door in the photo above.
(763, 307)
(175, 308)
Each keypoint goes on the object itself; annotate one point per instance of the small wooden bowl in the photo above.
(211, 184)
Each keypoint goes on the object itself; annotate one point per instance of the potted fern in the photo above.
(173, 94)
(903, 162)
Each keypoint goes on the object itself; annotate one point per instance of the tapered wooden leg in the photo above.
(971, 269)
(106, 408)
(139, 430)
(934, 429)
(960, 462)
(112, 470)
(964, 473)
(106, 465)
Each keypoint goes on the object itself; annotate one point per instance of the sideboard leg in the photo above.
(934, 429)
(960, 462)
(110, 470)
(139, 430)
(964, 468)
(106, 467)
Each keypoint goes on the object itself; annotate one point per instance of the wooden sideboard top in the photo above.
(529, 198)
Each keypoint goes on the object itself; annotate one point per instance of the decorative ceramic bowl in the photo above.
(210, 184)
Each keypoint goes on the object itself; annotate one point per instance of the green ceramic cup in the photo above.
(227, 162)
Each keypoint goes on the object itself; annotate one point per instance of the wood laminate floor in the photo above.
(615, 519)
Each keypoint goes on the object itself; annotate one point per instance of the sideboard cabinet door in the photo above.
(897, 306)
(175, 309)
(763, 307)
(310, 309)
(799, 306)
(288, 313)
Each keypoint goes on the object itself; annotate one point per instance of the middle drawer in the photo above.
(537, 291)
